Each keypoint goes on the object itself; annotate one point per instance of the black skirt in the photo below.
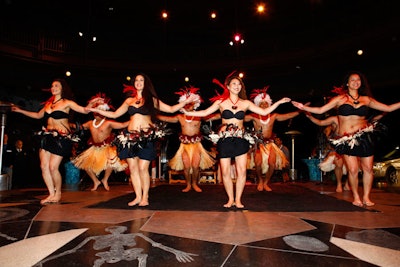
(231, 147)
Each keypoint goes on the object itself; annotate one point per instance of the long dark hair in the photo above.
(149, 95)
(364, 89)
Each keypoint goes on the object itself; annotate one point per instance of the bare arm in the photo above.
(75, 107)
(328, 121)
(112, 114)
(31, 114)
(337, 100)
(265, 111)
(172, 109)
(203, 113)
(373, 103)
(287, 116)
(170, 119)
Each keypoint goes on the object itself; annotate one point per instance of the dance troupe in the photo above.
(134, 147)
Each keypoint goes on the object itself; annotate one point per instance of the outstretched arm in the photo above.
(383, 107)
(265, 111)
(169, 119)
(319, 110)
(112, 114)
(31, 114)
(203, 113)
(333, 120)
(172, 109)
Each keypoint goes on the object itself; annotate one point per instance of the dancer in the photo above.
(102, 155)
(332, 160)
(355, 140)
(232, 140)
(136, 144)
(266, 155)
(191, 156)
(56, 136)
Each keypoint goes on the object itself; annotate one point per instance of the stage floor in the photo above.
(76, 233)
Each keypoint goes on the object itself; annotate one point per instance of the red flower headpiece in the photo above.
(260, 95)
(184, 93)
(224, 95)
(130, 89)
(338, 90)
(101, 101)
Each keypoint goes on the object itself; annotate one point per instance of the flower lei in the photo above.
(231, 130)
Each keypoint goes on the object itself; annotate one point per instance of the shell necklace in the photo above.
(189, 120)
(98, 125)
(264, 121)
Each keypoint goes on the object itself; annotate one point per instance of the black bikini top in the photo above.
(347, 110)
(57, 115)
(132, 110)
(227, 114)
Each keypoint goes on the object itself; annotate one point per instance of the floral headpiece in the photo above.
(130, 89)
(260, 95)
(188, 91)
(101, 101)
(338, 90)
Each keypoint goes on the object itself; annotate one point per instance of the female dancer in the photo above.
(232, 141)
(136, 145)
(355, 134)
(56, 137)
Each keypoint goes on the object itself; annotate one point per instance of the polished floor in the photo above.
(71, 234)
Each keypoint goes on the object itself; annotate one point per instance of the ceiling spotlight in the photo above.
(68, 73)
(213, 15)
(80, 34)
(164, 15)
(186, 79)
(360, 52)
(94, 39)
(128, 78)
(261, 8)
(237, 38)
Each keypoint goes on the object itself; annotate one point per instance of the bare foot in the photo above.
(368, 203)
(143, 203)
(45, 201)
(134, 202)
(105, 184)
(260, 187)
(339, 189)
(196, 188)
(267, 188)
(96, 184)
(346, 188)
(229, 204)
(357, 203)
(187, 189)
(239, 205)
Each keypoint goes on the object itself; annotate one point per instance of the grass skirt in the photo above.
(206, 159)
(98, 158)
(265, 149)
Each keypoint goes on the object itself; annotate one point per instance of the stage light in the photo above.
(94, 39)
(164, 15)
(80, 34)
(213, 15)
(68, 73)
(186, 79)
(360, 52)
(128, 78)
(237, 38)
(261, 8)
